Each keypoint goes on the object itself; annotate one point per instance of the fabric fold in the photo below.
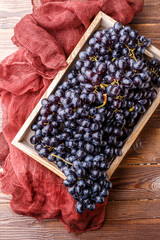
(45, 38)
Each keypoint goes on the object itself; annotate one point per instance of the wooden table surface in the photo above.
(133, 211)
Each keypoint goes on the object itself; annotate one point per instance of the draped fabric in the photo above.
(45, 39)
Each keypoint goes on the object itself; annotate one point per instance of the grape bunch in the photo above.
(84, 124)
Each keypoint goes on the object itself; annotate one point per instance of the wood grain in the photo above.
(15, 6)
(115, 209)
(9, 22)
(148, 30)
(128, 226)
(6, 45)
(117, 220)
(143, 151)
(118, 210)
(150, 13)
(5, 199)
(138, 229)
(10, 13)
(136, 182)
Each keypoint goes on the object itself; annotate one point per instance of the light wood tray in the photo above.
(22, 139)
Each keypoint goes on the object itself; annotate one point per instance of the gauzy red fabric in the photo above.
(45, 38)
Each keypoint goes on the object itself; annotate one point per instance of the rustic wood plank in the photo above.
(6, 45)
(149, 30)
(14, 226)
(154, 121)
(127, 210)
(150, 13)
(136, 182)
(118, 210)
(17, 225)
(15, 5)
(5, 199)
(9, 22)
(125, 230)
(143, 151)
(11, 9)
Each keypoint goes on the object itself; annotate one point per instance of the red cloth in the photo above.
(45, 38)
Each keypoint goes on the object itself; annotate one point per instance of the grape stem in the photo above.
(131, 109)
(110, 49)
(153, 70)
(75, 109)
(131, 53)
(94, 58)
(104, 102)
(115, 82)
(120, 97)
(89, 116)
(116, 110)
(139, 44)
(60, 158)
(102, 85)
(46, 123)
(96, 86)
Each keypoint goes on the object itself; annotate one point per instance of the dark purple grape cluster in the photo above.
(84, 124)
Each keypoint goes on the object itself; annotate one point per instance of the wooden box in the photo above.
(22, 139)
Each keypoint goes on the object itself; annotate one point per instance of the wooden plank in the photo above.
(22, 227)
(127, 210)
(5, 199)
(9, 22)
(15, 7)
(11, 11)
(15, 226)
(143, 150)
(154, 121)
(125, 230)
(118, 210)
(150, 13)
(136, 182)
(6, 45)
(149, 30)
